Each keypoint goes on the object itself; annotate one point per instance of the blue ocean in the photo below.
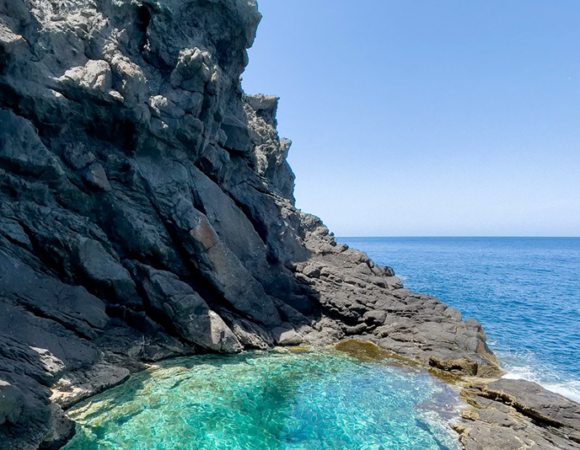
(525, 292)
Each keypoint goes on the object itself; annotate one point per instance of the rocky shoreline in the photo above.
(147, 212)
(499, 413)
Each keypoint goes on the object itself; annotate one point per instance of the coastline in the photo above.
(317, 398)
(147, 213)
(489, 412)
(523, 290)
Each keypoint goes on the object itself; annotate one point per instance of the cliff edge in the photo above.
(147, 212)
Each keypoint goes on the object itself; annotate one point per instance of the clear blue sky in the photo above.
(428, 118)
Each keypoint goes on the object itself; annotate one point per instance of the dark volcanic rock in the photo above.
(147, 211)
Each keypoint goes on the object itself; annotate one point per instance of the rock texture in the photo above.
(510, 414)
(146, 212)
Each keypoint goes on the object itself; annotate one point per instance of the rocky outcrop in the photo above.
(516, 414)
(146, 212)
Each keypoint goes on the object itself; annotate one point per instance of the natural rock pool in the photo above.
(308, 401)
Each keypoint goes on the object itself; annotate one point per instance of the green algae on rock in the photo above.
(306, 401)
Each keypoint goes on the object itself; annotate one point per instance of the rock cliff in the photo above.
(147, 212)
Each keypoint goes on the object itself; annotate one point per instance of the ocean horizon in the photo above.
(524, 290)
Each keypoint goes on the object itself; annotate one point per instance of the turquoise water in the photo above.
(306, 401)
(525, 291)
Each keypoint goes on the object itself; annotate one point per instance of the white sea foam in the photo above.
(569, 389)
(521, 373)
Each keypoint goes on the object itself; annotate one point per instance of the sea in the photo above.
(524, 291)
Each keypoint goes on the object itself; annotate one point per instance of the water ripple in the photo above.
(525, 291)
(309, 401)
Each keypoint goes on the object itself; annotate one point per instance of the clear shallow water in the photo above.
(525, 292)
(307, 401)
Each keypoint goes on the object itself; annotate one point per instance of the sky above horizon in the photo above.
(425, 118)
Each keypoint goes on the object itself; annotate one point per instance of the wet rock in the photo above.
(60, 430)
(79, 385)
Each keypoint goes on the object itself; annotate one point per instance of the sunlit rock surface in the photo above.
(146, 212)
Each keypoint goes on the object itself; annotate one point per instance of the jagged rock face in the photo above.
(147, 211)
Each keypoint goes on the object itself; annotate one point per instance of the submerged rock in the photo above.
(147, 212)
(310, 400)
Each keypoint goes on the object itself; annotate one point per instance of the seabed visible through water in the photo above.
(324, 400)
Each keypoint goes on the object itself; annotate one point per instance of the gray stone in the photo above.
(286, 336)
(187, 312)
(376, 317)
(265, 106)
(237, 135)
(22, 149)
(147, 211)
(81, 384)
(11, 403)
(534, 401)
(96, 177)
(78, 156)
(506, 414)
(193, 70)
(222, 338)
(108, 276)
(93, 76)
